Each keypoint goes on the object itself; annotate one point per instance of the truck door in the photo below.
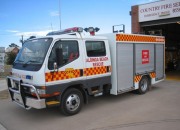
(159, 61)
(71, 67)
(97, 63)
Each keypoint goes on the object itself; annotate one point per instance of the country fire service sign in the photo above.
(159, 10)
(145, 56)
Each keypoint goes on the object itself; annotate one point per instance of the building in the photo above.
(160, 18)
(2, 55)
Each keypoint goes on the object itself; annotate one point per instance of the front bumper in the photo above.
(16, 90)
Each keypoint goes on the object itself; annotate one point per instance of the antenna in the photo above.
(60, 14)
(51, 27)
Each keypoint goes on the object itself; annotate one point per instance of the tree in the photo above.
(10, 58)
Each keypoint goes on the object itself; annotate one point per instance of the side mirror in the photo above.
(55, 66)
(59, 57)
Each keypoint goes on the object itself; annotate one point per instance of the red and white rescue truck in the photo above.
(65, 67)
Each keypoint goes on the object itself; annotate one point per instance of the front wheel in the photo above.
(143, 85)
(71, 102)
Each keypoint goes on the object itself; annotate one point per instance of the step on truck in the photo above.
(65, 67)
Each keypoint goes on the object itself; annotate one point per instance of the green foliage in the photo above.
(10, 58)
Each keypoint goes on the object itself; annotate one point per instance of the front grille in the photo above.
(15, 85)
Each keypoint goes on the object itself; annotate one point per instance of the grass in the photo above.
(7, 70)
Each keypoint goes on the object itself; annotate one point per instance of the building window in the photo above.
(95, 48)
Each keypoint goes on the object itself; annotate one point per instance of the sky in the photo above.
(38, 17)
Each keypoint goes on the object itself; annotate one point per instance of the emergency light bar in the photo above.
(92, 30)
(65, 31)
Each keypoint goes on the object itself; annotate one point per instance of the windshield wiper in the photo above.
(30, 61)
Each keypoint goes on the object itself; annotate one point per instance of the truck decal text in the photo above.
(97, 61)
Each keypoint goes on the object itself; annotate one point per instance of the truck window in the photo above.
(95, 48)
(70, 52)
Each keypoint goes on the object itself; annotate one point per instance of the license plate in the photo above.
(17, 97)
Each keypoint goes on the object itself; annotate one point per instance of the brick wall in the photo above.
(135, 19)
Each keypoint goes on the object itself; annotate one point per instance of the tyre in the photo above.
(143, 85)
(71, 102)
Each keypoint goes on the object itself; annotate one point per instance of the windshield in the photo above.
(33, 52)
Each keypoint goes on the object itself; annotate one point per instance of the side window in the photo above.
(95, 48)
(70, 52)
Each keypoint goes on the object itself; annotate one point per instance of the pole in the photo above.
(60, 14)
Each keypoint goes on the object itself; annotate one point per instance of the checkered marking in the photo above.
(139, 38)
(137, 78)
(71, 73)
(62, 75)
(95, 70)
(153, 75)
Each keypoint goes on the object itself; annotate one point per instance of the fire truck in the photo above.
(65, 67)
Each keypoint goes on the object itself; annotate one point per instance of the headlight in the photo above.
(32, 90)
(39, 91)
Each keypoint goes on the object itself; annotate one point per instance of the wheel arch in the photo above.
(143, 87)
(148, 77)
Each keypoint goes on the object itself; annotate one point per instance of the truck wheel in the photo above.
(71, 102)
(143, 85)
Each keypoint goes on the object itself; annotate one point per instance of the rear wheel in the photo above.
(143, 85)
(71, 102)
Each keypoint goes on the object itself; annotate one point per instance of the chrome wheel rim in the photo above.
(144, 85)
(72, 102)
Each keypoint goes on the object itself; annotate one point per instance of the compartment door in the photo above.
(124, 66)
(159, 61)
(144, 58)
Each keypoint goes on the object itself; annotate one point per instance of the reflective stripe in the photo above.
(139, 38)
(153, 75)
(137, 78)
(52, 103)
(95, 70)
(62, 75)
(71, 73)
